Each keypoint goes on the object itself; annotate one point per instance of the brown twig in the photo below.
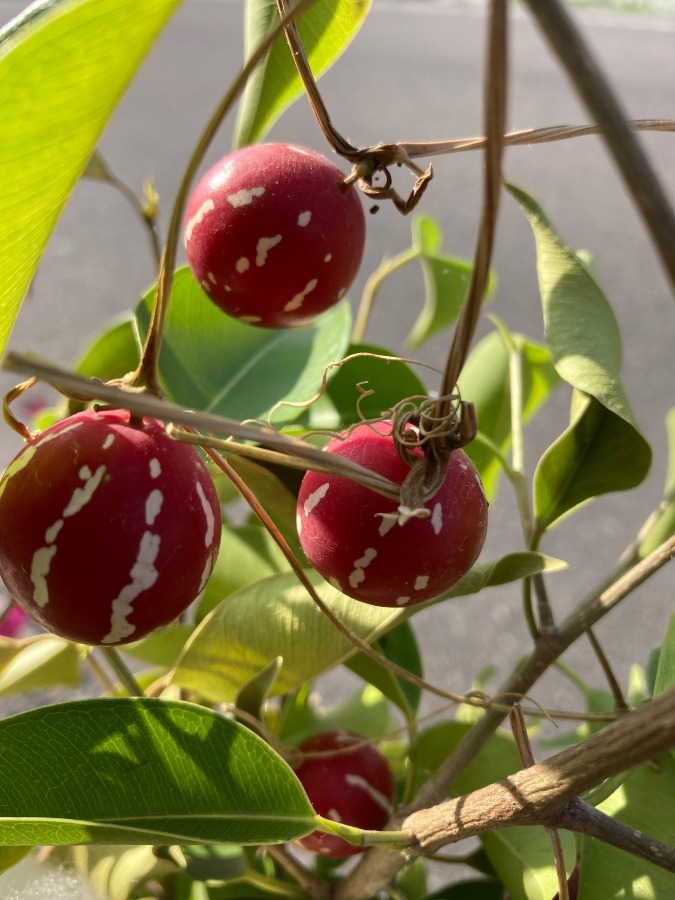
(313, 886)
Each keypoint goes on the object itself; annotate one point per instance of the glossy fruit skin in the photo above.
(375, 559)
(355, 788)
(108, 530)
(272, 237)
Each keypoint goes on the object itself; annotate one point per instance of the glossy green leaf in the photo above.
(36, 663)
(485, 383)
(663, 525)
(521, 855)
(365, 712)
(645, 801)
(665, 672)
(10, 856)
(446, 280)
(64, 66)
(325, 29)
(252, 695)
(161, 648)
(400, 646)
(247, 554)
(598, 453)
(411, 881)
(277, 617)
(583, 336)
(143, 772)
(276, 490)
(213, 362)
(114, 353)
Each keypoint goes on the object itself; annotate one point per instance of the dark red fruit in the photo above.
(352, 537)
(108, 530)
(272, 236)
(352, 786)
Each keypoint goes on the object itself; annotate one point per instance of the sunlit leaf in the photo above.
(217, 364)
(663, 525)
(142, 771)
(37, 662)
(325, 29)
(400, 646)
(277, 617)
(64, 66)
(665, 672)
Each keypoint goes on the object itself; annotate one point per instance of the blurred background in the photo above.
(414, 73)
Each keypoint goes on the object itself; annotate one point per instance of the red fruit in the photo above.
(108, 530)
(272, 236)
(351, 535)
(354, 787)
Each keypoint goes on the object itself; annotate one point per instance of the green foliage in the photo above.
(326, 29)
(215, 363)
(143, 771)
(64, 67)
(36, 663)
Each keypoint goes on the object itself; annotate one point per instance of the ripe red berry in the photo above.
(352, 786)
(351, 535)
(108, 529)
(272, 236)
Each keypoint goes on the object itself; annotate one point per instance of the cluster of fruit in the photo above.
(109, 529)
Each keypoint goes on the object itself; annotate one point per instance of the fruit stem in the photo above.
(147, 373)
(128, 681)
(360, 837)
(372, 287)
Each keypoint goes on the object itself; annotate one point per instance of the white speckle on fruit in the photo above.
(206, 574)
(358, 575)
(245, 197)
(401, 601)
(303, 218)
(421, 582)
(153, 505)
(298, 300)
(341, 293)
(328, 257)
(22, 460)
(208, 512)
(82, 495)
(249, 320)
(463, 466)
(39, 569)
(211, 277)
(242, 265)
(143, 575)
(205, 284)
(206, 207)
(437, 518)
(155, 468)
(264, 245)
(387, 522)
(358, 781)
(334, 815)
(52, 532)
(315, 498)
(228, 288)
(108, 442)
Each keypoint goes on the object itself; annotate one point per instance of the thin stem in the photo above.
(622, 143)
(372, 287)
(605, 664)
(313, 886)
(129, 683)
(108, 685)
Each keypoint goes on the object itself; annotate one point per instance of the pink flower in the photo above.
(13, 622)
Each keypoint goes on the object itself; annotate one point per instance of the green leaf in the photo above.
(113, 353)
(325, 29)
(218, 862)
(645, 802)
(663, 525)
(598, 453)
(277, 617)
(36, 663)
(213, 362)
(400, 646)
(161, 648)
(585, 343)
(248, 554)
(446, 281)
(143, 771)
(485, 383)
(665, 672)
(10, 856)
(476, 889)
(64, 66)
(252, 695)
(521, 855)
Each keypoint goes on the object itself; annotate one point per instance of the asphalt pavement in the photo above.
(414, 73)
